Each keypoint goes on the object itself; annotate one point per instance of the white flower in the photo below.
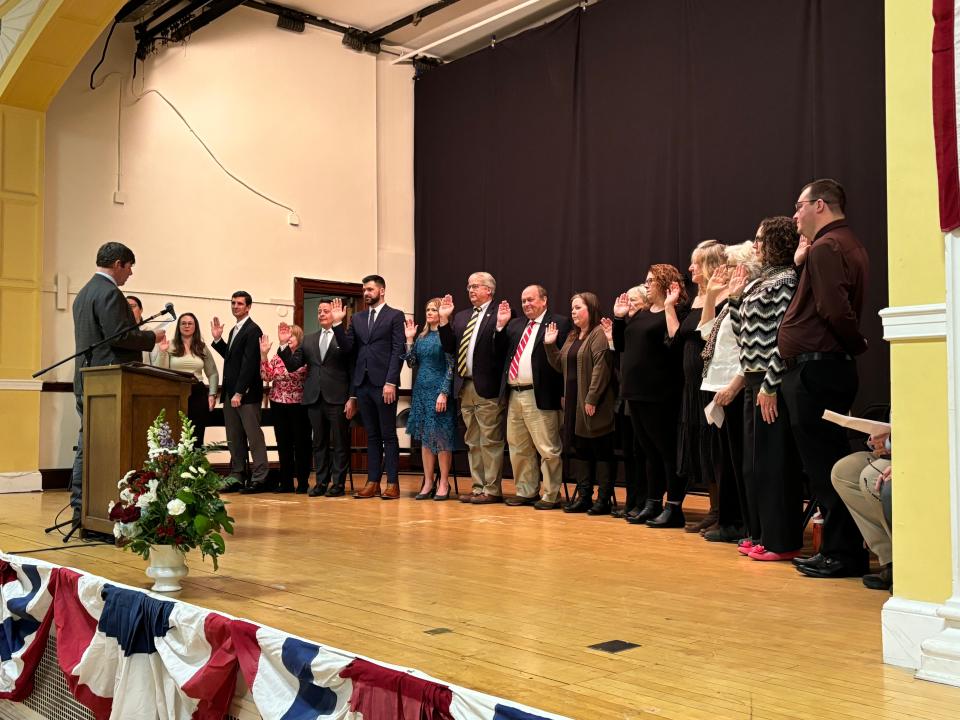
(186, 475)
(176, 507)
(110, 505)
(152, 485)
(145, 499)
(186, 488)
(117, 533)
(126, 495)
(128, 529)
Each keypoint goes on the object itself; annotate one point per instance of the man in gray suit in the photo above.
(99, 311)
(326, 393)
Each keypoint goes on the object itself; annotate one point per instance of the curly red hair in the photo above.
(663, 275)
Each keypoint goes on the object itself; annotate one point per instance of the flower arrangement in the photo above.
(174, 499)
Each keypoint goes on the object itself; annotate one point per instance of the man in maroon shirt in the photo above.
(818, 339)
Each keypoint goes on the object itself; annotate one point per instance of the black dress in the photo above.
(691, 404)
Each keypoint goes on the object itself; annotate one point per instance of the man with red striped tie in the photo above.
(533, 406)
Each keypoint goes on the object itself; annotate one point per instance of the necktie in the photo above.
(324, 344)
(465, 342)
(371, 319)
(515, 363)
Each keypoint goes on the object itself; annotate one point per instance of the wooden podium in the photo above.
(120, 402)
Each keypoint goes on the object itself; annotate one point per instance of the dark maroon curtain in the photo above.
(578, 153)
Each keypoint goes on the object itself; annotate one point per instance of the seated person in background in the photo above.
(188, 353)
(862, 480)
(137, 308)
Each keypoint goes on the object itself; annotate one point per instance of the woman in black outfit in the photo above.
(652, 382)
(695, 444)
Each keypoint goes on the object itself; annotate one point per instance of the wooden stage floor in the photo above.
(523, 593)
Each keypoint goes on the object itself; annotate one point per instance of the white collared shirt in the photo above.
(108, 277)
(236, 330)
(525, 371)
(476, 333)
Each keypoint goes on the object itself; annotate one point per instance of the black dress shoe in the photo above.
(582, 505)
(283, 489)
(316, 491)
(599, 508)
(254, 488)
(232, 485)
(334, 491)
(620, 513)
(650, 510)
(671, 517)
(724, 533)
(831, 568)
(812, 561)
(882, 580)
(302, 489)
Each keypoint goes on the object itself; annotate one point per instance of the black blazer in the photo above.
(547, 382)
(487, 368)
(327, 380)
(376, 354)
(99, 311)
(241, 365)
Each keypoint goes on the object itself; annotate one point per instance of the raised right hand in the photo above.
(410, 330)
(337, 311)
(503, 314)
(446, 308)
(265, 345)
(216, 328)
(800, 256)
(607, 325)
(283, 333)
(738, 281)
(159, 336)
(550, 334)
(163, 345)
(718, 281)
(621, 306)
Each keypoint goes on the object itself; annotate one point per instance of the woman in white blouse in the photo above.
(188, 353)
(722, 375)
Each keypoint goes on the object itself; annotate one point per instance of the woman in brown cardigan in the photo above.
(588, 417)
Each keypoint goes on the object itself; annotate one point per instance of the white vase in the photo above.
(167, 566)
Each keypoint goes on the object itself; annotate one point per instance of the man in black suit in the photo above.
(375, 337)
(99, 311)
(469, 338)
(242, 393)
(326, 393)
(535, 390)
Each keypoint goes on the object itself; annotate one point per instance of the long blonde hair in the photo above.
(426, 326)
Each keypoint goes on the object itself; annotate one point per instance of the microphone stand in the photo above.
(87, 352)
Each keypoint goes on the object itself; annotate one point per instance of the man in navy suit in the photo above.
(375, 337)
(242, 393)
(326, 393)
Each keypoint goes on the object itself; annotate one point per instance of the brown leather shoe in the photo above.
(371, 489)
(469, 498)
(392, 492)
(487, 499)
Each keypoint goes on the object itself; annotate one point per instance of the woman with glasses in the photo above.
(771, 464)
(652, 383)
(187, 352)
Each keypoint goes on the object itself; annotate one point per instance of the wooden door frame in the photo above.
(303, 286)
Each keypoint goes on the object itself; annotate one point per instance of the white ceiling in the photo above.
(375, 14)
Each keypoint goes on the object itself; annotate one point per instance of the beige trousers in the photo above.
(483, 419)
(854, 478)
(531, 431)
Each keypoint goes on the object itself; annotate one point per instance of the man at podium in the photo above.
(99, 311)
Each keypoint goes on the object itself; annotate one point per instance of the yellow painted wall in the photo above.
(918, 373)
(21, 242)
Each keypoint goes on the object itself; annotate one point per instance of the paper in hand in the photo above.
(870, 427)
(714, 413)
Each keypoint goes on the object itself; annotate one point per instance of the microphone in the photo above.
(168, 308)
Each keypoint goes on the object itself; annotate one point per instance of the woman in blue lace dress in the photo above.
(431, 419)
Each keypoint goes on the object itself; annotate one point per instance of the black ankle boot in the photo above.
(650, 510)
(600, 507)
(582, 504)
(671, 517)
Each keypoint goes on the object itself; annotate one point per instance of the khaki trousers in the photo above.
(532, 431)
(483, 419)
(854, 478)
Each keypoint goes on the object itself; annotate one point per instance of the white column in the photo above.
(940, 654)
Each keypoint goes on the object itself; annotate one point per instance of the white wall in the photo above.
(320, 128)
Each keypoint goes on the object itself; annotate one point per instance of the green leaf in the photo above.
(217, 540)
(186, 496)
(201, 523)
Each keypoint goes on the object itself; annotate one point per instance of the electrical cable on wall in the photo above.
(293, 218)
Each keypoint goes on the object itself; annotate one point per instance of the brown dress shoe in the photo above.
(469, 498)
(487, 499)
(392, 492)
(371, 489)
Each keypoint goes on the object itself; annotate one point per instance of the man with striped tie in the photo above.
(469, 338)
(534, 392)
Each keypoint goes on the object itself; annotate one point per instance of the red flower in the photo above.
(128, 514)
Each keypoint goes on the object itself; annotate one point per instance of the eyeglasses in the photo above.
(474, 287)
(758, 240)
(798, 203)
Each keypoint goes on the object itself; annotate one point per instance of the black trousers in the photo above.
(810, 388)
(655, 425)
(331, 442)
(634, 460)
(592, 462)
(772, 475)
(198, 410)
(380, 422)
(722, 461)
(292, 429)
